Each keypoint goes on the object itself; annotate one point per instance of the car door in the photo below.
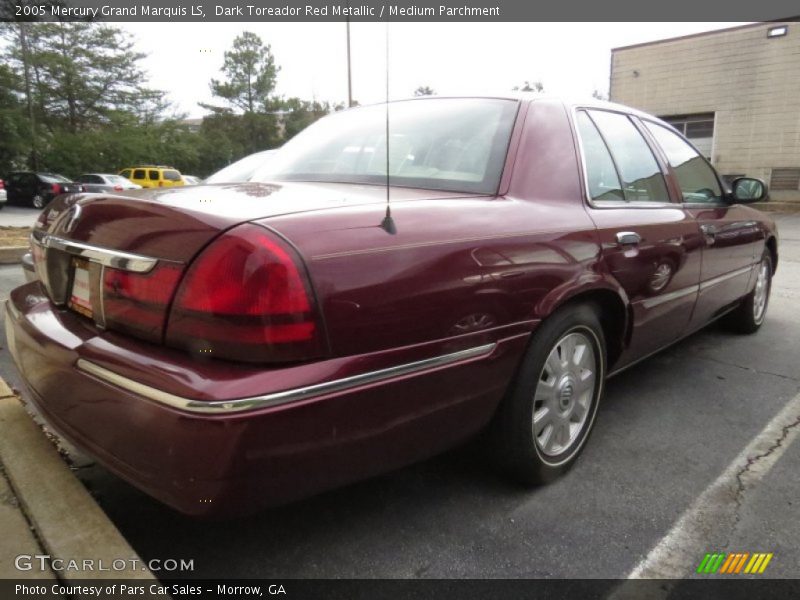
(649, 244)
(732, 240)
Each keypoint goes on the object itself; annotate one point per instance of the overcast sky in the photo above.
(452, 58)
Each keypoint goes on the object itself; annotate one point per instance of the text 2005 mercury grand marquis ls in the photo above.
(231, 346)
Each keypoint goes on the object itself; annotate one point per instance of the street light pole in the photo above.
(349, 72)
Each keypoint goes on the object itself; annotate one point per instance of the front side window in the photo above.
(172, 175)
(437, 143)
(641, 176)
(696, 178)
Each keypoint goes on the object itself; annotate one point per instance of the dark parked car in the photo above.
(225, 347)
(37, 189)
(104, 182)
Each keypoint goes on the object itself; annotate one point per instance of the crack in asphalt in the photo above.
(748, 369)
(741, 474)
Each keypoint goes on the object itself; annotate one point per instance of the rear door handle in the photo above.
(628, 238)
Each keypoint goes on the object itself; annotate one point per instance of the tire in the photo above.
(544, 396)
(749, 315)
(38, 201)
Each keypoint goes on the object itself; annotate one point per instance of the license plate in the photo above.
(80, 298)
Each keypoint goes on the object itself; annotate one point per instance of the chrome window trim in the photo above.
(612, 204)
(225, 407)
(116, 259)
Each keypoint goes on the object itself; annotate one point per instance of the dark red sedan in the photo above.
(231, 346)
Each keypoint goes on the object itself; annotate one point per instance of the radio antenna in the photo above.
(388, 223)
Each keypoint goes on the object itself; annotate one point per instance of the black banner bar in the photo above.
(731, 588)
(396, 11)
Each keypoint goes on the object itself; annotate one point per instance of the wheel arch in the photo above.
(615, 315)
(772, 246)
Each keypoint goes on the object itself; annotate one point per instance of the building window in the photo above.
(698, 129)
(785, 179)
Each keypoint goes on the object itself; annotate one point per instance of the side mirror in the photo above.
(748, 189)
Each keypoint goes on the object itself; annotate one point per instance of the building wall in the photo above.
(750, 82)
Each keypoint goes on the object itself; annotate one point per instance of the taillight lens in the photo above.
(245, 297)
(56, 189)
(117, 188)
(137, 303)
(2, 184)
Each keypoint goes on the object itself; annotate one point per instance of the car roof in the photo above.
(567, 101)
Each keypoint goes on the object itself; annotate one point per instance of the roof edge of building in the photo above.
(792, 19)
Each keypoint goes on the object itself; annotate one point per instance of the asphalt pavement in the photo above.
(18, 216)
(667, 430)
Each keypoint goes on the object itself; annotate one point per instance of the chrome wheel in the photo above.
(38, 201)
(564, 394)
(761, 292)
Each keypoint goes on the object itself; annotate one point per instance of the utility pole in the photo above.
(23, 42)
(349, 74)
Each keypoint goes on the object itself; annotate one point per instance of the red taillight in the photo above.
(56, 189)
(137, 303)
(117, 188)
(2, 184)
(245, 298)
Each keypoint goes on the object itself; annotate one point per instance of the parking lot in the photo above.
(669, 429)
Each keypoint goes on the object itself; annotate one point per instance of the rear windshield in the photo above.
(115, 179)
(53, 178)
(241, 170)
(438, 143)
(172, 176)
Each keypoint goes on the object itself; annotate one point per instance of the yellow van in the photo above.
(151, 176)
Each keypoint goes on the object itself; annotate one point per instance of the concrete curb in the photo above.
(68, 522)
(12, 254)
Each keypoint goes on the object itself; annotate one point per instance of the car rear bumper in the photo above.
(185, 433)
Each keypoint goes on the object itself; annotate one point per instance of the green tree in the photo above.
(297, 114)
(14, 128)
(81, 73)
(424, 90)
(529, 86)
(250, 74)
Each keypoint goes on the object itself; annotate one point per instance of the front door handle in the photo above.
(628, 238)
(709, 232)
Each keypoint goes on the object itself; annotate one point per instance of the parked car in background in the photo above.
(267, 340)
(37, 189)
(191, 180)
(151, 176)
(242, 169)
(3, 194)
(105, 182)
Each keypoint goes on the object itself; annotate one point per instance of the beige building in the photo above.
(735, 93)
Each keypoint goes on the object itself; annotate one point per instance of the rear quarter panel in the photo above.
(457, 269)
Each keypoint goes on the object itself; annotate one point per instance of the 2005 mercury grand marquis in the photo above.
(231, 346)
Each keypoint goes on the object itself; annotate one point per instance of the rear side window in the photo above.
(138, 174)
(601, 175)
(153, 175)
(641, 176)
(171, 175)
(696, 178)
